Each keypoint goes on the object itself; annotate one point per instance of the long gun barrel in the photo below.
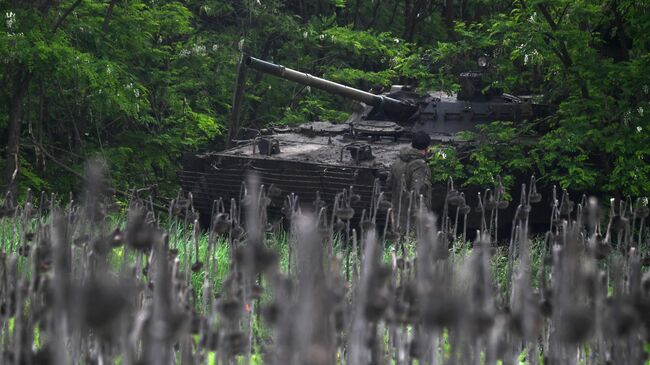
(387, 103)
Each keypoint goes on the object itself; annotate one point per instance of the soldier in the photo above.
(410, 173)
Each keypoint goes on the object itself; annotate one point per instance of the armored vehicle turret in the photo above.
(319, 159)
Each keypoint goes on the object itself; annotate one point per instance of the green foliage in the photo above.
(496, 149)
(376, 46)
(308, 109)
(141, 82)
(590, 58)
(125, 87)
(444, 164)
(501, 151)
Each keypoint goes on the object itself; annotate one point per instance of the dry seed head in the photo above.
(464, 209)
(642, 211)
(197, 266)
(367, 225)
(117, 238)
(384, 204)
(345, 213)
(392, 236)
(339, 225)
(455, 200)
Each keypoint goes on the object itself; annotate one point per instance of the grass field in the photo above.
(91, 284)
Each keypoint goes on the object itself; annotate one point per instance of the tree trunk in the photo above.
(449, 18)
(238, 96)
(562, 52)
(255, 104)
(393, 13)
(407, 17)
(108, 16)
(355, 21)
(373, 17)
(20, 86)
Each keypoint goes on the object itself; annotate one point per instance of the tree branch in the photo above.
(565, 56)
(562, 51)
(108, 16)
(65, 14)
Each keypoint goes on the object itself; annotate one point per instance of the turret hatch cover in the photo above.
(323, 128)
(377, 127)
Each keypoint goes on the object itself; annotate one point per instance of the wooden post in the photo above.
(238, 95)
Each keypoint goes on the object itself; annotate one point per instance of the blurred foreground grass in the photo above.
(193, 246)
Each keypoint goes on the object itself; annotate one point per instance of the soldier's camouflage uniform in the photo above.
(410, 173)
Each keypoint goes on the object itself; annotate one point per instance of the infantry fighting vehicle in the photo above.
(321, 158)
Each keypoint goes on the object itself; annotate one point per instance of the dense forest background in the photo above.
(138, 83)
